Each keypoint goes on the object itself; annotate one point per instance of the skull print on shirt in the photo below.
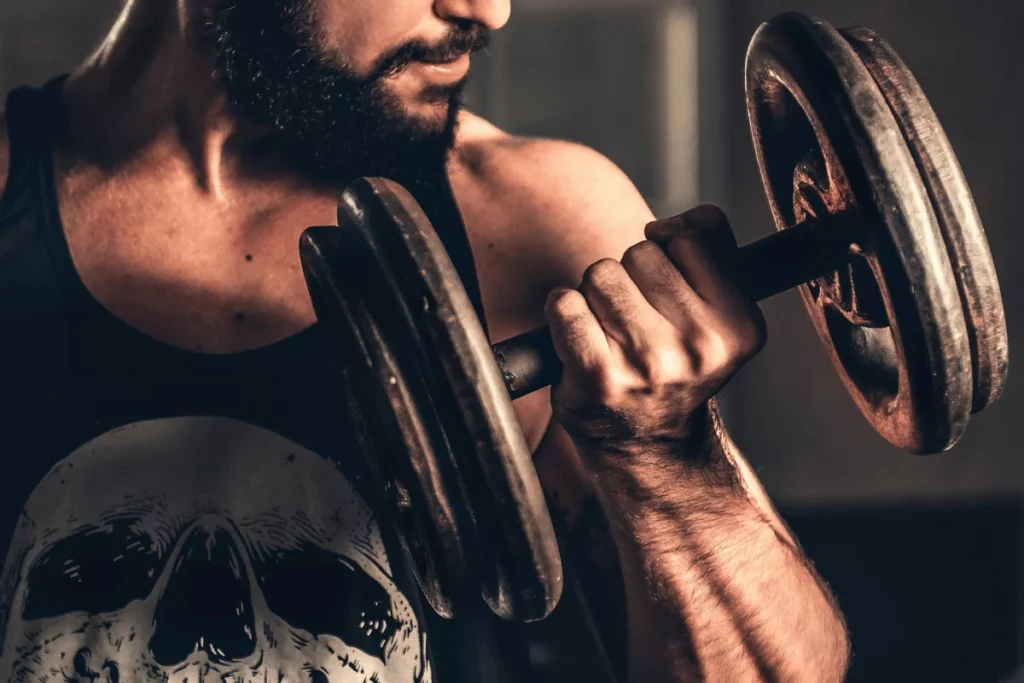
(202, 549)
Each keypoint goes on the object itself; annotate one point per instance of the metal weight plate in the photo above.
(954, 208)
(485, 470)
(389, 405)
(828, 146)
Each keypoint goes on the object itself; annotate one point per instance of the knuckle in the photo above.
(669, 364)
(603, 273)
(689, 244)
(562, 303)
(612, 383)
(640, 253)
(749, 334)
(710, 225)
(725, 349)
(719, 351)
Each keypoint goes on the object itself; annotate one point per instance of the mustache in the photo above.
(458, 42)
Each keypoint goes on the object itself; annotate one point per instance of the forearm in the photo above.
(717, 589)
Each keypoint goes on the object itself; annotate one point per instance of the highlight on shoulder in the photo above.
(558, 177)
(543, 209)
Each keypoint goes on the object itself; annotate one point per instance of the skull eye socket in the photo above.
(326, 594)
(97, 569)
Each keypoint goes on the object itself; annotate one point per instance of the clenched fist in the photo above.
(649, 341)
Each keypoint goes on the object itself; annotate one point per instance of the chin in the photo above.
(431, 116)
(431, 109)
(432, 119)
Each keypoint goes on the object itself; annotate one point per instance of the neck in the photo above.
(150, 92)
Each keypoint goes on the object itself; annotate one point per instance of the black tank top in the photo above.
(174, 515)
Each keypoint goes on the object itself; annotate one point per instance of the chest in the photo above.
(196, 271)
(223, 275)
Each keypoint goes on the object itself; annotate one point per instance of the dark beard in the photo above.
(333, 126)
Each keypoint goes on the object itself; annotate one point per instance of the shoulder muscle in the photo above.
(556, 206)
(538, 213)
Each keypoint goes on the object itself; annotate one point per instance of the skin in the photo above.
(180, 228)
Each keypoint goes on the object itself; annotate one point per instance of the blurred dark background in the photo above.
(924, 554)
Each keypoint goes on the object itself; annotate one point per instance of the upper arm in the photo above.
(580, 207)
(573, 207)
(538, 213)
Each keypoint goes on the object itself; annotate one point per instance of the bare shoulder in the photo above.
(562, 183)
(538, 213)
(543, 209)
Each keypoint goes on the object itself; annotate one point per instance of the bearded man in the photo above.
(181, 499)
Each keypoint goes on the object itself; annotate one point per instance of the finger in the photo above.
(618, 304)
(662, 284)
(578, 337)
(706, 219)
(701, 245)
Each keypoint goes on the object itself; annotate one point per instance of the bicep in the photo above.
(567, 207)
(596, 211)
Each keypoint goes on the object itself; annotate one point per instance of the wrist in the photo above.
(696, 457)
(657, 488)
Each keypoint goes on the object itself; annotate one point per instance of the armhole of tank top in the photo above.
(454, 235)
(19, 139)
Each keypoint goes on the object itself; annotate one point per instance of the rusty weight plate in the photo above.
(390, 409)
(955, 210)
(828, 146)
(428, 371)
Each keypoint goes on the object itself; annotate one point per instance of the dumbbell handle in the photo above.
(772, 265)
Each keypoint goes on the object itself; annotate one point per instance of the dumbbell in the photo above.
(875, 225)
